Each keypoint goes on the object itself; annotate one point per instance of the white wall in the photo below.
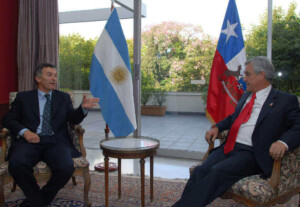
(189, 102)
(175, 101)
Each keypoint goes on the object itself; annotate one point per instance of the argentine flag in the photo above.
(110, 78)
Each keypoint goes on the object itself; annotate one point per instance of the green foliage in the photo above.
(159, 95)
(173, 54)
(148, 84)
(130, 51)
(285, 46)
(75, 55)
(146, 94)
(176, 54)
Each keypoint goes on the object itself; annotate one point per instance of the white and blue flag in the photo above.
(111, 80)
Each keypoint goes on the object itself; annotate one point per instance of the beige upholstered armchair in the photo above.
(255, 191)
(41, 170)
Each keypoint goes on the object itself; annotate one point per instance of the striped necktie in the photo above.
(46, 124)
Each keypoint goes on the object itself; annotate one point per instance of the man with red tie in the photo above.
(265, 124)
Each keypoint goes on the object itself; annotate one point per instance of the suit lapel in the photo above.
(35, 103)
(268, 105)
(55, 100)
(240, 105)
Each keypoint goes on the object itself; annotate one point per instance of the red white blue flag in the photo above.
(225, 84)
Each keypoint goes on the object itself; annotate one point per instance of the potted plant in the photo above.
(159, 97)
(147, 93)
(152, 92)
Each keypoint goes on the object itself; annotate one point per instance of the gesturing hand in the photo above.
(31, 137)
(89, 103)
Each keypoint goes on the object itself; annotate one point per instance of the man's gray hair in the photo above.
(39, 68)
(262, 63)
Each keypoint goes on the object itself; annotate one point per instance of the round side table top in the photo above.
(129, 144)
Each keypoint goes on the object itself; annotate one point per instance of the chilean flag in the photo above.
(225, 84)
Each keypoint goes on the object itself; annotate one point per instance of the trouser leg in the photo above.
(202, 170)
(58, 158)
(210, 181)
(24, 156)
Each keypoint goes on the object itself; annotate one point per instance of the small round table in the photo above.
(130, 148)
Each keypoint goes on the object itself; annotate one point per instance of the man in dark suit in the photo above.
(271, 128)
(38, 121)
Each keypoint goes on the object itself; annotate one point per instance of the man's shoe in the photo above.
(25, 203)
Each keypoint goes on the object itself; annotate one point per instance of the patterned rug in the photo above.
(166, 192)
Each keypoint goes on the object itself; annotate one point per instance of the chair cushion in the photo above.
(259, 190)
(254, 188)
(41, 167)
(80, 162)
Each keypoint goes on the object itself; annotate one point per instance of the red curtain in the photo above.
(9, 14)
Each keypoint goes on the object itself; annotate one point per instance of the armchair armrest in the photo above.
(3, 135)
(275, 177)
(221, 136)
(80, 131)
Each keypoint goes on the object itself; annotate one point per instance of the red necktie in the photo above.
(243, 117)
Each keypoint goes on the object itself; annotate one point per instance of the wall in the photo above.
(175, 102)
(9, 10)
(183, 102)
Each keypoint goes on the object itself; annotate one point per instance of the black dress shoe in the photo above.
(25, 203)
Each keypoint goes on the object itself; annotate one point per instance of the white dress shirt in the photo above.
(244, 135)
(42, 102)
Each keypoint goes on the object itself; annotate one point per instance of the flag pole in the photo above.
(111, 166)
(137, 65)
(112, 5)
(269, 41)
(106, 130)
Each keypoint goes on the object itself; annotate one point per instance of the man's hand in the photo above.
(89, 103)
(211, 135)
(277, 150)
(31, 137)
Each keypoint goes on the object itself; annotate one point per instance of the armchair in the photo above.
(41, 170)
(255, 191)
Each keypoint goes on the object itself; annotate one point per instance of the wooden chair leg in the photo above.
(13, 189)
(87, 184)
(2, 201)
(74, 180)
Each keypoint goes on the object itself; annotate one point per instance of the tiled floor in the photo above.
(175, 132)
(182, 142)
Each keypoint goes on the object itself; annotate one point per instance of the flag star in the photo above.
(229, 31)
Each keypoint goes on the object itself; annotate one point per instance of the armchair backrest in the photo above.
(290, 170)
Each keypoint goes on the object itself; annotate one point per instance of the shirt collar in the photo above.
(41, 94)
(262, 94)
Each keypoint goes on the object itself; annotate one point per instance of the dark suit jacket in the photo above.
(279, 119)
(24, 113)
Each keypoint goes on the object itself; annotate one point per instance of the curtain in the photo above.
(9, 12)
(38, 36)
